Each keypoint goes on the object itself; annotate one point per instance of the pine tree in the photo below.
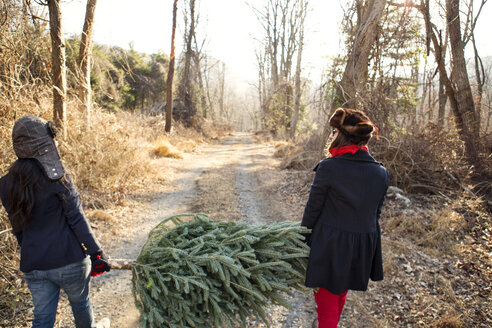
(203, 273)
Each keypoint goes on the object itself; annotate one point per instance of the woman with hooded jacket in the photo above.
(343, 212)
(58, 247)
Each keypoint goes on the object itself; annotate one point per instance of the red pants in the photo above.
(329, 307)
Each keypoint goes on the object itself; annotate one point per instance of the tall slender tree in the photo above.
(84, 59)
(457, 86)
(170, 74)
(58, 66)
(297, 81)
(282, 22)
(187, 105)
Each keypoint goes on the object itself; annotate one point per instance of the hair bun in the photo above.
(355, 124)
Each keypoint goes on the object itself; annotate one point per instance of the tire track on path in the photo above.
(258, 208)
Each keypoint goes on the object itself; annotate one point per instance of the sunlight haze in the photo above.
(229, 27)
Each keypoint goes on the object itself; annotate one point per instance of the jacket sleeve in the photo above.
(380, 205)
(317, 196)
(74, 214)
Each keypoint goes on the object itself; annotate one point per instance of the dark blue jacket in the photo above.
(343, 211)
(58, 232)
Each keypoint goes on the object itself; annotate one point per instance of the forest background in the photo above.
(415, 67)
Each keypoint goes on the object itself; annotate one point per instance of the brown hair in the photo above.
(354, 126)
(340, 141)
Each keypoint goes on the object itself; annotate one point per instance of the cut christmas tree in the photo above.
(203, 273)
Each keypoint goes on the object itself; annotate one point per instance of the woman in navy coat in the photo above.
(58, 247)
(343, 211)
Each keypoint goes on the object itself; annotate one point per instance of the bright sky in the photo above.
(229, 27)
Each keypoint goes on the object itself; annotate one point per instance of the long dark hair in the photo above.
(25, 175)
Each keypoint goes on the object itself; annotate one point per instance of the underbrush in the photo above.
(425, 161)
(437, 261)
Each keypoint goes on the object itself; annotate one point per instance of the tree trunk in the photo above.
(207, 90)
(297, 97)
(58, 66)
(222, 92)
(465, 109)
(443, 97)
(478, 77)
(84, 59)
(356, 70)
(186, 93)
(430, 101)
(170, 74)
(421, 109)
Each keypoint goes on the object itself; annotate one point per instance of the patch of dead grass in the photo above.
(436, 229)
(286, 150)
(453, 321)
(100, 216)
(163, 148)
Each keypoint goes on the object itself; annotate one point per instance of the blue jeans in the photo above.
(45, 285)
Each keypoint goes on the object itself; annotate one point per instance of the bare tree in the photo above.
(281, 21)
(58, 66)
(170, 74)
(187, 107)
(469, 35)
(84, 59)
(221, 90)
(354, 77)
(297, 82)
(457, 87)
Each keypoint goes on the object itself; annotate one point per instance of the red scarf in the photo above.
(337, 151)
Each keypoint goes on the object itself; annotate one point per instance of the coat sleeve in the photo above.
(317, 196)
(74, 214)
(380, 205)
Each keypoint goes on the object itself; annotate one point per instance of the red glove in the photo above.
(100, 263)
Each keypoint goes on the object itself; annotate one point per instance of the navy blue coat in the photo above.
(343, 212)
(58, 231)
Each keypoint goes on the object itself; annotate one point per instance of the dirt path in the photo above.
(242, 162)
(111, 293)
(249, 166)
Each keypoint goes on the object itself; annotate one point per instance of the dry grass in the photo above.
(454, 321)
(163, 148)
(437, 229)
(187, 146)
(285, 150)
(100, 216)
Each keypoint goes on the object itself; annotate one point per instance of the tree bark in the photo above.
(480, 82)
(458, 90)
(84, 60)
(170, 74)
(355, 75)
(185, 87)
(443, 97)
(58, 66)
(297, 82)
(465, 109)
(222, 92)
